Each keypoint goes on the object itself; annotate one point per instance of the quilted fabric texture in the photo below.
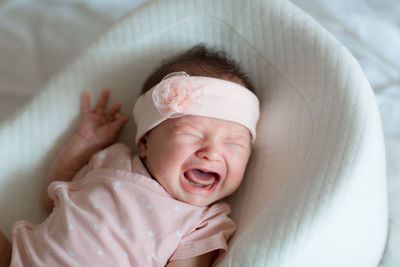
(315, 189)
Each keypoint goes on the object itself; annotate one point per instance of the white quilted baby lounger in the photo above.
(314, 193)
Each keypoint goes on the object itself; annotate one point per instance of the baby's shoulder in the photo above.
(111, 155)
(218, 209)
(117, 148)
(114, 149)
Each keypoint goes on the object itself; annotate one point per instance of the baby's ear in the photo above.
(143, 146)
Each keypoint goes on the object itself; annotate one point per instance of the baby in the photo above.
(196, 120)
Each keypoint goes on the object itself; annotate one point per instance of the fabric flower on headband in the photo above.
(175, 95)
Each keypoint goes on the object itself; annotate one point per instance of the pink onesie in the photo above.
(114, 214)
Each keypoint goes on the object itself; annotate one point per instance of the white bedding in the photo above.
(38, 38)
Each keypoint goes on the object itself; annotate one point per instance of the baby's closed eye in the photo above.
(188, 137)
(239, 142)
(236, 145)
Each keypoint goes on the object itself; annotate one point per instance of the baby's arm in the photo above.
(97, 130)
(198, 261)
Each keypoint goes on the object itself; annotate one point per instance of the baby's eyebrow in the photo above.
(185, 127)
(187, 124)
(245, 138)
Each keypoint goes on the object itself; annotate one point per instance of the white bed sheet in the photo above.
(38, 37)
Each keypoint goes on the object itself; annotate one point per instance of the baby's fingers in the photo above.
(85, 103)
(102, 103)
(119, 122)
(114, 110)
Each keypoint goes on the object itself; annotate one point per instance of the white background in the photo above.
(39, 37)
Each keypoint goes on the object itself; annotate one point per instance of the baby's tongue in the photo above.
(200, 177)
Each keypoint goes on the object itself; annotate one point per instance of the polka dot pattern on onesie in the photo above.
(115, 217)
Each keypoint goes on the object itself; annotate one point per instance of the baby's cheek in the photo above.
(236, 173)
(235, 179)
(239, 165)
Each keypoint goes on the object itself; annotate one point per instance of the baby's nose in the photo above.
(209, 152)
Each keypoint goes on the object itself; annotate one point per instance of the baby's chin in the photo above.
(198, 202)
(192, 199)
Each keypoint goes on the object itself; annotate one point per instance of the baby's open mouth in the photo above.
(200, 178)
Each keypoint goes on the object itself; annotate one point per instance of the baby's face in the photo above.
(198, 160)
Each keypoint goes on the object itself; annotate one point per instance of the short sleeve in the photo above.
(116, 156)
(212, 233)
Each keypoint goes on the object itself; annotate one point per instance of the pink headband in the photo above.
(178, 94)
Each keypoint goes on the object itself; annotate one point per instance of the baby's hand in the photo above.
(98, 127)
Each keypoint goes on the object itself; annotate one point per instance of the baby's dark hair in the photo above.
(200, 61)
